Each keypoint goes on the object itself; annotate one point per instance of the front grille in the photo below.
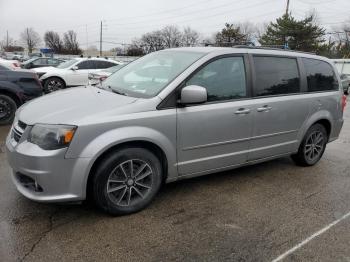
(16, 135)
(22, 125)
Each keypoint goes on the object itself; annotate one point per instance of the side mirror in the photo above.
(74, 68)
(193, 95)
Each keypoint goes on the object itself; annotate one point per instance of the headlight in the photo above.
(51, 137)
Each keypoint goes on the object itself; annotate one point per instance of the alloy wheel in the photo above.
(54, 85)
(5, 109)
(314, 146)
(130, 182)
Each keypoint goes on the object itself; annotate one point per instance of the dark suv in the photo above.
(16, 87)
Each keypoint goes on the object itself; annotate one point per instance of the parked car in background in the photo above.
(98, 77)
(16, 87)
(170, 115)
(74, 72)
(345, 82)
(343, 66)
(33, 55)
(13, 64)
(41, 62)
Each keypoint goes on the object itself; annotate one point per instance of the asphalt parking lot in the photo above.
(254, 213)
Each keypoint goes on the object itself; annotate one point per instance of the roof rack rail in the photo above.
(272, 48)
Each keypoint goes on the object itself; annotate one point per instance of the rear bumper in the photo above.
(337, 126)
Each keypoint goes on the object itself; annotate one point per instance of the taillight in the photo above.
(15, 64)
(103, 78)
(343, 102)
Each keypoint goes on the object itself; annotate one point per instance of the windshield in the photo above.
(149, 75)
(30, 60)
(113, 69)
(67, 64)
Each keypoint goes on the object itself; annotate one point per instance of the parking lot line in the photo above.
(307, 240)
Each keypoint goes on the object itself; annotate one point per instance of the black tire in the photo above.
(307, 147)
(116, 167)
(53, 84)
(8, 109)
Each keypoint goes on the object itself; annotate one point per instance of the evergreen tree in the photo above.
(303, 35)
(229, 36)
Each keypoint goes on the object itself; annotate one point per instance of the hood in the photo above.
(72, 106)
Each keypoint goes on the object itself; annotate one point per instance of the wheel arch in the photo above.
(327, 125)
(55, 76)
(11, 95)
(154, 148)
(321, 117)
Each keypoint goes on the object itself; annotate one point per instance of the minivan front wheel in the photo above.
(126, 181)
(312, 147)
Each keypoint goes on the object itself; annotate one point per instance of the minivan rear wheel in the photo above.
(127, 181)
(312, 147)
(8, 109)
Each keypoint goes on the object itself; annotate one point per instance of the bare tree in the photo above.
(30, 38)
(71, 44)
(152, 41)
(171, 36)
(53, 41)
(190, 37)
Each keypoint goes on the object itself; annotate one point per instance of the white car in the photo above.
(71, 73)
(98, 77)
(12, 64)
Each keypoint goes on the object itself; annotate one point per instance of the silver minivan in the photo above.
(170, 115)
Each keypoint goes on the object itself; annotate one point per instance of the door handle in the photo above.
(242, 111)
(264, 108)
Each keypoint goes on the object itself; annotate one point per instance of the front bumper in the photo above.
(54, 178)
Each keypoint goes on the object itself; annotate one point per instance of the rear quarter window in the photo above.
(320, 75)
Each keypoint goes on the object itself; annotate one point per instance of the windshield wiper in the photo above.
(117, 92)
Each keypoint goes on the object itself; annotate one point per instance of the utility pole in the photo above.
(287, 7)
(87, 40)
(347, 38)
(7, 39)
(101, 40)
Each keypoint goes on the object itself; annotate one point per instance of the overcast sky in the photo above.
(125, 20)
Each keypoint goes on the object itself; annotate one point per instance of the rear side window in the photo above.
(320, 75)
(89, 64)
(276, 76)
(223, 78)
(103, 64)
(52, 61)
(40, 61)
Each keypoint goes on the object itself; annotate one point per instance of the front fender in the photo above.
(48, 75)
(111, 138)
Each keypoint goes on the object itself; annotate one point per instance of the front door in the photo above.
(79, 77)
(216, 134)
